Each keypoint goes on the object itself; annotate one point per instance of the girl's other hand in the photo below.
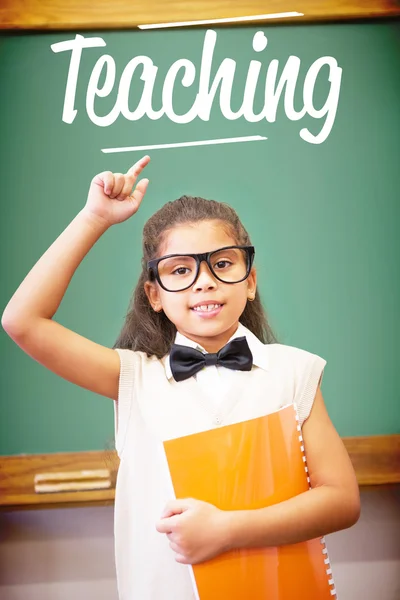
(197, 531)
(111, 198)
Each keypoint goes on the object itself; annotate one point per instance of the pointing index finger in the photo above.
(138, 167)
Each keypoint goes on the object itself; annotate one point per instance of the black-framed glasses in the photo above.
(178, 272)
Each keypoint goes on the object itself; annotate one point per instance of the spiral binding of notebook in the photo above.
(322, 540)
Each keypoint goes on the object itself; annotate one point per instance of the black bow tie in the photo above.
(186, 361)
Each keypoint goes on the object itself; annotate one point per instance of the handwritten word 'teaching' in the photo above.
(223, 79)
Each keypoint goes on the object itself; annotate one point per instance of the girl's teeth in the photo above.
(208, 307)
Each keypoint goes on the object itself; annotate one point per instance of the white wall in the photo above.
(61, 554)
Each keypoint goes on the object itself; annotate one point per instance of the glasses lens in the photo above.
(230, 265)
(179, 272)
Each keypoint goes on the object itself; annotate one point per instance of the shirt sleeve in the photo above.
(123, 405)
(309, 372)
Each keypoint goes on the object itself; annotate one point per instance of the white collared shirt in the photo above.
(216, 381)
(152, 408)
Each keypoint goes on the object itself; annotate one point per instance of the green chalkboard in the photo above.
(324, 216)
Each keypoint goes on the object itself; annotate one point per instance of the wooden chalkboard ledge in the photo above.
(123, 14)
(376, 460)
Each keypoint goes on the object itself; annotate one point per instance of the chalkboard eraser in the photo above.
(72, 481)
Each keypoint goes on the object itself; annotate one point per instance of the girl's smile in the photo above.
(207, 309)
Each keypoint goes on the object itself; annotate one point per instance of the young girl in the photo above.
(195, 353)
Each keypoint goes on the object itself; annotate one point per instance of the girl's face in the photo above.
(211, 330)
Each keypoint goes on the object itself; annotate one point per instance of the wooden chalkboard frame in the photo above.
(376, 459)
(17, 479)
(124, 14)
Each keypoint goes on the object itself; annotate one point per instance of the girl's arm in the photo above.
(332, 504)
(28, 317)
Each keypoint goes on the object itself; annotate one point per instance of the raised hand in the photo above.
(111, 196)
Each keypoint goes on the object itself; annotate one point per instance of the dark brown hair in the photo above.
(152, 332)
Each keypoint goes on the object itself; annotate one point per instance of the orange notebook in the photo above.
(251, 465)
